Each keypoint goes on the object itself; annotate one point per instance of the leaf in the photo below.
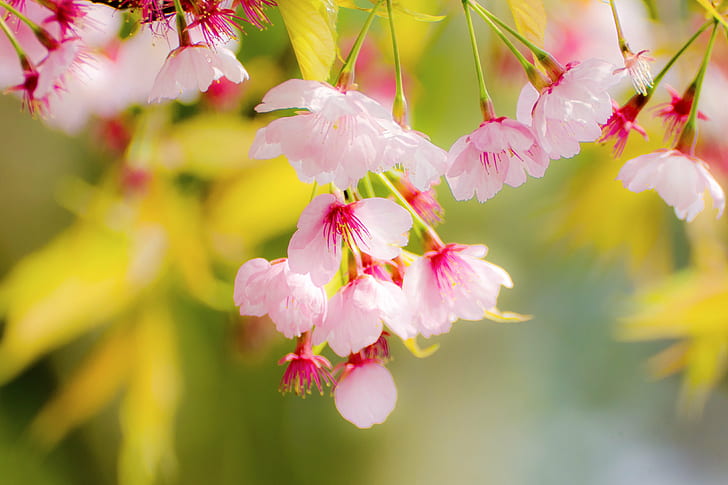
(92, 386)
(530, 18)
(311, 26)
(52, 296)
(149, 407)
(496, 315)
(713, 12)
(397, 6)
(418, 352)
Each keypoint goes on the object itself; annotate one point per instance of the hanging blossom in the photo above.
(500, 150)
(365, 393)
(679, 178)
(675, 113)
(623, 122)
(356, 313)
(378, 227)
(194, 67)
(291, 299)
(339, 136)
(305, 369)
(571, 109)
(450, 282)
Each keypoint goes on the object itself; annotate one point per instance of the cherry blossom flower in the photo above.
(675, 113)
(375, 226)
(451, 282)
(339, 137)
(291, 299)
(570, 110)
(500, 150)
(305, 369)
(423, 161)
(365, 394)
(195, 67)
(679, 178)
(424, 202)
(356, 312)
(638, 68)
(622, 123)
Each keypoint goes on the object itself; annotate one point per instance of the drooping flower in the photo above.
(194, 67)
(570, 110)
(679, 178)
(500, 150)
(338, 138)
(305, 369)
(424, 202)
(451, 282)
(423, 162)
(675, 113)
(216, 23)
(622, 123)
(291, 299)
(356, 313)
(365, 394)
(638, 68)
(375, 226)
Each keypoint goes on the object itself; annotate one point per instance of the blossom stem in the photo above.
(675, 57)
(486, 105)
(14, 41)
(546, 59)
(623, 46)
(687, 139)
(399, 109)
(184, 35)
(346, 75)
(534, 75)
(420, 226)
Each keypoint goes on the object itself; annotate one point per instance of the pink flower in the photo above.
(305, 369)
(365, 394)
(194, 67)
(424, 202)
(423, 161)
(452, 282)
(376, 226)
(679, 178)
(622, 122)
(499, 151)
(572, 109)
(675, 113)
(291, 299)
(356, 312)
(638, 67)
(337, 139)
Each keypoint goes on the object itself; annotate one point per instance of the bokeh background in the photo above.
(561, 399)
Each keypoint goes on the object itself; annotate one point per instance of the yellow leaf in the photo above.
(418, 352)
(506, 317)
(149, 407)
(264, 201)
(93, 385)
(75, 283)
(530, 18)
(396, 6)
(311, 25)
(706, 365)
(713, 12)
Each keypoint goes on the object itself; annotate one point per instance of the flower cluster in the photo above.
(65, 59)
(353, 245)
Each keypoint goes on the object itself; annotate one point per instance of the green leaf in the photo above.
(530, 18)
(311, 25)
(398, 7)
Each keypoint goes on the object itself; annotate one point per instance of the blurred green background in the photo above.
(556, 400)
